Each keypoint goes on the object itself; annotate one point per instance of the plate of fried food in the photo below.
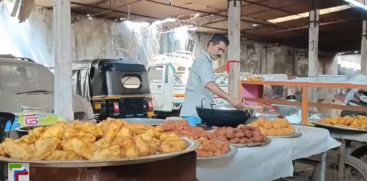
(242, 136)
(348, 123)
(210, 147)
(85, 144)
(278, 128)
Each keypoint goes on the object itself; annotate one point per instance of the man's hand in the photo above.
(236, 102)
(215, 89)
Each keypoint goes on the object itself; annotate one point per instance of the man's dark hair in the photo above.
(216, 38)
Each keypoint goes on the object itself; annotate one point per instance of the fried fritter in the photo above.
(110, 153)
(90, 128)
(63, 155)
(56, 130)
(18, 149)
(33, 135)
(44, 147)
(108, 140)
(78, 146)
(71, 132)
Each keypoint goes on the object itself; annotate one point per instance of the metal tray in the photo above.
(267, 141)
(230, 153)
(146, 121)
(296, 134)
(96, 163)
(338, 127)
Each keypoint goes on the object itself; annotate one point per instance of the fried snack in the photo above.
(210, 148)
(79, 147)
(110, 153)
(254, 77)
(108, 140)
(56, 130)
(33, 135)
(44, 147)
(111, 128)
(63, 155)
(278, 127)
(72, 132)
(355, 122)
(17, 149)
(240, 135)
(89, 128)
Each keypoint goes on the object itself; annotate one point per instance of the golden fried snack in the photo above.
(56, 130)
(172, 146)
(79, 147)
(110, 153)
(90, 128)
(124, 133)
(356, 122)
(108, 140)
(143, 147)
(18, 149)
(44, 147)
(63, 155)
(132, 152)
(33, 135)
(2, 151)
(72, 132)
(103, 143)
(277, 127)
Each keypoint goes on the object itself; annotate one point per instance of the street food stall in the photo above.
(257, 148)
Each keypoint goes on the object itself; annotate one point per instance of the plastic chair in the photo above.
(4, 118)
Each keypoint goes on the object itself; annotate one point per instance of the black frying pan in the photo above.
(223, 116)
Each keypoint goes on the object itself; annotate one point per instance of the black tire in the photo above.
(355, 169)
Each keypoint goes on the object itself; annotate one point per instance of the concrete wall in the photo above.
(99, 38)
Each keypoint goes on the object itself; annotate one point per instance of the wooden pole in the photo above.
(63, 102)
(313, 47)
(304, 114)
(234, 50)
(364, 48)
(313, 44)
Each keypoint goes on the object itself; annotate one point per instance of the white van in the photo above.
(26, 86)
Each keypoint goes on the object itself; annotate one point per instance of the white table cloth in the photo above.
(268, 162)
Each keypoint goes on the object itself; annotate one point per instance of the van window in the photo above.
(155, 74)
(130, 82)
(180, 69)
(25, 77)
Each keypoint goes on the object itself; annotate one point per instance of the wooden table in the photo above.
(305, 104)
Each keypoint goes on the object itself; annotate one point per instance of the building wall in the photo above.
(91, 39)
(100, 38)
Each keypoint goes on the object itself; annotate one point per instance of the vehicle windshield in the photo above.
(17, 78)
(155, 74)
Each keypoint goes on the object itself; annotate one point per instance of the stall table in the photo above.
(269, 162)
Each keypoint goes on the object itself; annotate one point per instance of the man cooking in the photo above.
(201, 85)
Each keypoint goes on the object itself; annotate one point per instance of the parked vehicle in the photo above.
(117, 88)
(168, 74)
(26, 86)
